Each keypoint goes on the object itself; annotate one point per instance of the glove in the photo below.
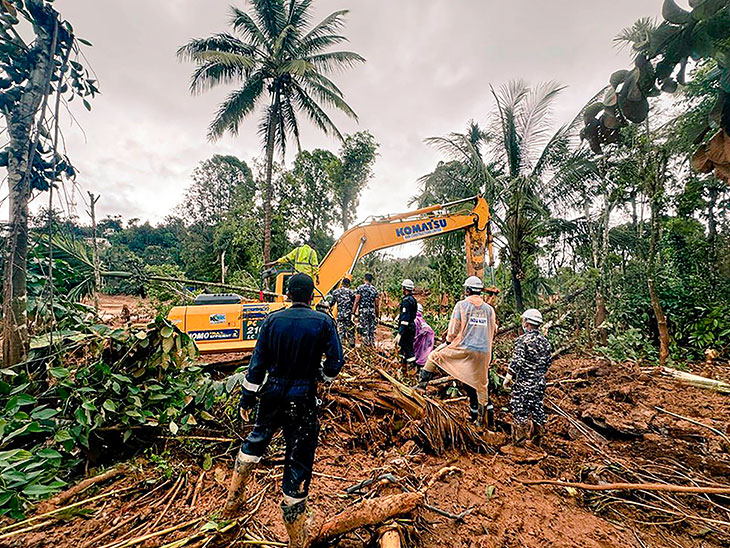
(507, 380)
(248, 399)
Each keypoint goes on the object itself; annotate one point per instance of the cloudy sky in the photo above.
(429, 67)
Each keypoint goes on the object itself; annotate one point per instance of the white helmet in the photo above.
(408, 284)
(419, 308)
(474, 282)
(532, 316)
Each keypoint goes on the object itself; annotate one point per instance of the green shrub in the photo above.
(102, 380)
(629, 345)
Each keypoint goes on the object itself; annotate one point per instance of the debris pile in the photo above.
(628, 463)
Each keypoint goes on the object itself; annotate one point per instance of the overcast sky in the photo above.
(429, 67)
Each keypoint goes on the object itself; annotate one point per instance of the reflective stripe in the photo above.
(245, 457)
(411, 359)
(291, 501)
(405, 323)
(251, 387)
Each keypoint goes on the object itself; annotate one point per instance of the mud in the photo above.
(615, 432)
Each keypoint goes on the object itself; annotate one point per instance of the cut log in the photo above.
(68, 494)
(370, 512)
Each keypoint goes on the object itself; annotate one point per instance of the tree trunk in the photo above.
(95, 250)
(20, 122)
(344, 205)
(601, 312)
(267, 194)
(516, 272)
(712, 220)
(656, 199)
(370, 512)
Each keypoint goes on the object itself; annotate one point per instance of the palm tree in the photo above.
(281, 65)
(515, 163)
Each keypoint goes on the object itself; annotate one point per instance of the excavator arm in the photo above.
(228, 323)
(394, 230)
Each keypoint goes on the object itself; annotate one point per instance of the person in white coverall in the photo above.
(468, 350)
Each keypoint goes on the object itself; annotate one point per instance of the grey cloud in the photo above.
(430, 64)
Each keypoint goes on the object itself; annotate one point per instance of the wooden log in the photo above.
(68, 494)
(369, 512)
(693, 380)
(663, 487)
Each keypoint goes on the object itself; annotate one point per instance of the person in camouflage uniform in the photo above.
(345, 299)
(531, 360)
(367, 303)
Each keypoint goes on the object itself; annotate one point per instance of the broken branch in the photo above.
(664, 487)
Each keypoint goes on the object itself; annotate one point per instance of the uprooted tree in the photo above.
(31, 72)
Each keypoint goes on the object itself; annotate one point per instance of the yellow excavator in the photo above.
(229, 323)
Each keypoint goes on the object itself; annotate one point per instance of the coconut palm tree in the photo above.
(516, 163)
(280, 64)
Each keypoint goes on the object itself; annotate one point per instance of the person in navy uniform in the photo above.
(367, 304)
(344, 297)
(407, 325)
(281, 381)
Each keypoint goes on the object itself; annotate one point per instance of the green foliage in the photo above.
(707, 327)
(102, 382)
(662, 54)
(389, 272)
(352, 173)
(21, 64)
(307, 192)
(628, 345)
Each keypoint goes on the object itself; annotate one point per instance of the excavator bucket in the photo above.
(476, 243)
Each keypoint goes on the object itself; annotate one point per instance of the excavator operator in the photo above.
(303, 259)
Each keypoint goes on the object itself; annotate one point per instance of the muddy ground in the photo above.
(604, 426)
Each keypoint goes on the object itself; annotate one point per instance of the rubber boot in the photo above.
(302, 524)
(241, 472)
(538, 432)
(424, 377)
(478, 415)
(490, 416)
(519, 434)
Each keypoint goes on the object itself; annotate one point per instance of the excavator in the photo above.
(229, 323)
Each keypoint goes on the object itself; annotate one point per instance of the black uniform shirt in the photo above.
(408, 311)
(290, 347)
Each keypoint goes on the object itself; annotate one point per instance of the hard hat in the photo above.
(419, 308)
(473, 282)
(532, 316)
(408, 284)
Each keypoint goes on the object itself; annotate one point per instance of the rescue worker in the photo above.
(344, 297)
(425, 337)
(282, 377)
(303, 259)
(407, 324)
(531, 360)
(367, 304)
(468, 349)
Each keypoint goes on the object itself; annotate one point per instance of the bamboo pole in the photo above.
(662, 487)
